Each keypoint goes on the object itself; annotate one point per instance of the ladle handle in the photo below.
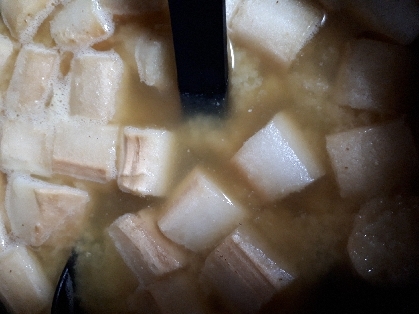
(200, 42)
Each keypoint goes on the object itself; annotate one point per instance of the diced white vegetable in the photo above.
(200, 214)
(31, 84)
(383, 247)
(243, 270)
(231, 7)
(374, 159)
(81, 23)
(146, 161)
(277, 160)
(95, 78)
(177, 293)
(146, 251)
(133, 7)
(24, 17)
(45, 213)
(26, 147)
(155, 61)
(397, 19)
(279, 28)
(85, 151)
(4, 238)
(6, 50)
(4, 220)
(24, 286)
(373, 76)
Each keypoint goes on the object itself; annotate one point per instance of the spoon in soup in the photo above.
(200, 42)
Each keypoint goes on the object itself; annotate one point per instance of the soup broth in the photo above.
(308, 229)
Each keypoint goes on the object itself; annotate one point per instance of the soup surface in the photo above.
(308, 229)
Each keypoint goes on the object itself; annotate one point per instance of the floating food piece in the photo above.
(146, 161)
(373, 76)
(277, 160)
(200, 214)
(27, 147)
(85, 151)
(281, 28)
(31, 84)
(245, 273)
(155, 61)
(177, 293)
(6, 50)
(24, 17)
(24, 286)
(146, 251)
(81, 23)
(133, 7)
(383, 246)
(396, 19)
(45, 213)
(95, 79)
(371, 160)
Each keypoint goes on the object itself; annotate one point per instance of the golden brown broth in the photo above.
(310, 228)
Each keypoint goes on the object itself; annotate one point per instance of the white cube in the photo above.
(31, 83)
(24, 287)
(6, 50)
(396, 19)
(24, 17)
(146, 161)
(85, 151)
(145, 250)
(245, 272)
(277, 160)
(81, 23)
(371, 160)
(155, 61)
(95, 78)
(279, 28)
(373, 76)
(200, 214)
(383, 246)
(27, 147)
(44, 213)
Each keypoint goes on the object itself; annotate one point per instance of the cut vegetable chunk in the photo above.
(95, 79)
(146, 251)
(373, 76)
(177, 293)
(31, 84)
(24, 17)
(277, 160)
(397, 19)
(383, 247)
(85, 151)
(146, 161)
(371, 160)
(81, 23)
(45, 213)
(27, 147)
(243, 271)
(24, 286)
(155, 61)
(133, 7)
(281, 28)
(6, 50)
(200, 214)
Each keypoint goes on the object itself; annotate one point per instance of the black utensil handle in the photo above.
(200, 42)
